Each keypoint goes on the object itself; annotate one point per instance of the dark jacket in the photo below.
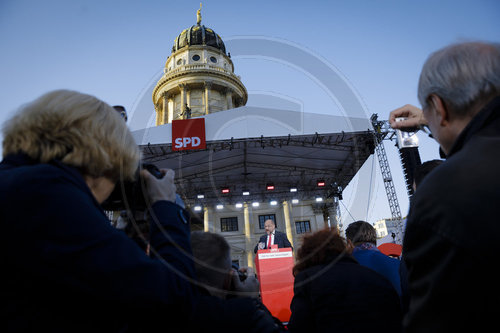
(68, 270)
(240, 314)
(344, 296)
(452, 233)
(279, 238)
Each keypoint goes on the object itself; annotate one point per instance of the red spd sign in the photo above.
(188, 134)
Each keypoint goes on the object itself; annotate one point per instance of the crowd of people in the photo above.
(69, 270)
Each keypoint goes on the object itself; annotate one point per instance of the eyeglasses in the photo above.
(121, 110)
(426, 130)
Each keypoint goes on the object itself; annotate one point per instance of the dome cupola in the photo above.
(198, 77)
(198, 35)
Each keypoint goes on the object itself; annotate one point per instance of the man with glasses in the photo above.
(453, 223)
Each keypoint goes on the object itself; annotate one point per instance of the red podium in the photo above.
(274, 271)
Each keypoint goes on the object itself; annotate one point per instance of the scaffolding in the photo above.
(381, 131)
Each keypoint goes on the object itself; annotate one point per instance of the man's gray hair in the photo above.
(462, 75)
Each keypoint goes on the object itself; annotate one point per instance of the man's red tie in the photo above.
(269, 242)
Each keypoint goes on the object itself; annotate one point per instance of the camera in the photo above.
(241, 275)
(406, 138)
(129, 194)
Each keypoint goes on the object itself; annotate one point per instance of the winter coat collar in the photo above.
(488, 114)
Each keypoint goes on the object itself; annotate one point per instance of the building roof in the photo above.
(198, 35)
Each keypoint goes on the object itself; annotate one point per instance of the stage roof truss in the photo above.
(286, 161)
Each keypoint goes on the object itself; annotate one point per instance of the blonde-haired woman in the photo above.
(68, 269)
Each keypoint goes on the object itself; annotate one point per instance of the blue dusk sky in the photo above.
(116, 50)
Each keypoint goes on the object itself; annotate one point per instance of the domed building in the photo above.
(259, 162)
(198, 77)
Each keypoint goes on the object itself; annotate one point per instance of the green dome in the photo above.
(198, 35)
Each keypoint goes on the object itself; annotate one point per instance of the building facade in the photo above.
(387, 227)
(199, 80)
(242, 225)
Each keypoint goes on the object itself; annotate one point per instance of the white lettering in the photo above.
(270, 255)
(178, 143)
(196, 141)
(187, 141)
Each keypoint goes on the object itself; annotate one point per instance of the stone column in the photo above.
(165, 109)
(334, 214)
(182, 88)
(248, 236)
(170, 115)
(229, 98)
(188, 101)
(208, 224)
(208, 86)
(159, 114)
(287, 213)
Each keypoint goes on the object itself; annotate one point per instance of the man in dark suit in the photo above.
(272, 237)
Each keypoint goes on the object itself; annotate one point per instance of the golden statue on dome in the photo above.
(198, 16)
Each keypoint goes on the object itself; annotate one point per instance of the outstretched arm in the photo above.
(414, 117)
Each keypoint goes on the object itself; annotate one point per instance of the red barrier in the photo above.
(274, 271)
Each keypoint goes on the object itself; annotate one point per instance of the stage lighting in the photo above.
(293, 189)
(197, 208)
(219, 206)
(239, 205)
(273, 202)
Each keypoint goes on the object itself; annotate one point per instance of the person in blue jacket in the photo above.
(67, 268)
(362, 237)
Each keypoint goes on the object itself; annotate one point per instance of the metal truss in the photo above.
(381, 131)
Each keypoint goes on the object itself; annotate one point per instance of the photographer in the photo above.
(69, 269)
(450, 238)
